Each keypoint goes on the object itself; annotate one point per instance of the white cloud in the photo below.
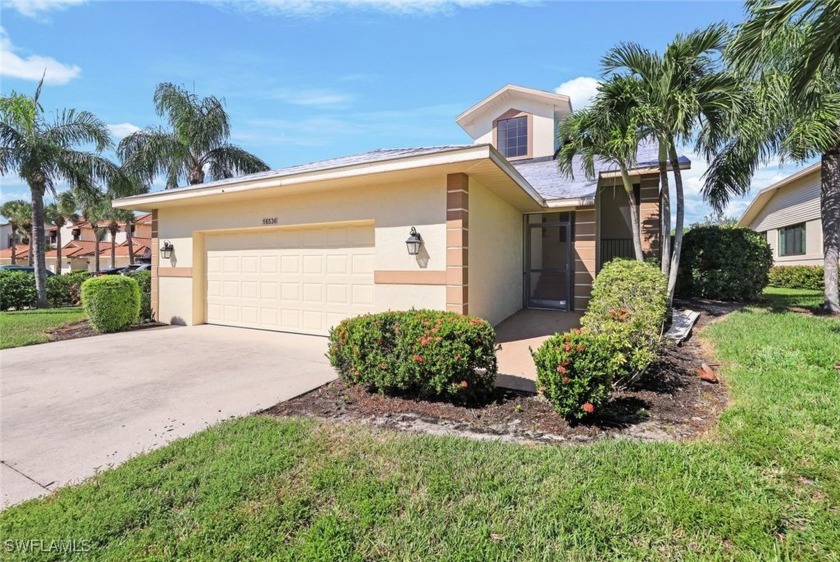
(581, 90)
(309, 97)
(121, 130)
(32, 67)
(310, 8)
(37, 8)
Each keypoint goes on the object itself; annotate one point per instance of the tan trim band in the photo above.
(175, 272)
(420, 277)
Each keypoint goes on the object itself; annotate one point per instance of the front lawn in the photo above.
(764, 486)
(28, 327)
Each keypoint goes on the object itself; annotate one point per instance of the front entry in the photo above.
(548, 256)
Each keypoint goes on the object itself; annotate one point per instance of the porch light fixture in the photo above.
(166, 250)
(414, 242)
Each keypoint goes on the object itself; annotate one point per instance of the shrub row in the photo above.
(620, 336)
(423, 352)
(144, 280)
(111, 302)
(798, 277)
(730, 264)
(17, 289)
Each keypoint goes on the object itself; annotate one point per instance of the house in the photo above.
(78, 250)
(788, 214)
(497, 229)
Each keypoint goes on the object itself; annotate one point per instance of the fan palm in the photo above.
(607, 131)
(686, 92)
(18, 213)
(196, 144)
(44, 153)
(785, 119)
(59, 213)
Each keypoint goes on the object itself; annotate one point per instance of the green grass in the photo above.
(764, 486)
(781, 300)
(29, 327)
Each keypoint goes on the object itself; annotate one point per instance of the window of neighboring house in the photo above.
(512, 136)
(77, 234)
(792, 240)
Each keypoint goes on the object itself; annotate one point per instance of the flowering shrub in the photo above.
(423, 352)
(576, 371)
(628, 305)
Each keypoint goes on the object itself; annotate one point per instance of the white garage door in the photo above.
(304, 280)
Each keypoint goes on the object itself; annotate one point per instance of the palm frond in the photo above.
(229, 160)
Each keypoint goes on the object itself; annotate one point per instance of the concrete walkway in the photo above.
(527, 329)
(73, 407)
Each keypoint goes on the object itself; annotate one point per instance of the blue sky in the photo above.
(306, 80)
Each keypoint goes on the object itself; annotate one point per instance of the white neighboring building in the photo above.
(788, 214)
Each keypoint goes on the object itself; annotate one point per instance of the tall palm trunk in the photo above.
(664, 210)
(96, 234)
(37, 242)
(129, 237)
(634, 213)
(30, 258)
(114, 246)
(830, 212)
(14, 242)
(58, 250)
(196, 175)
(678, 233)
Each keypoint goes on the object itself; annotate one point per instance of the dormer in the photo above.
(519, 122)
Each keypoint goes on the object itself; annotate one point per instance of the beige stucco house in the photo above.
(788, 214)
(300, 248)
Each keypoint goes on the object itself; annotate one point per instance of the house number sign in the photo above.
(268, 221)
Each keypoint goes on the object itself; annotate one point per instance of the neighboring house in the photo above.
(5, 236)
(79, 246)
(788, 214)
(300, 248)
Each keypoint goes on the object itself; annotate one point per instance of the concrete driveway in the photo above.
(73, 407)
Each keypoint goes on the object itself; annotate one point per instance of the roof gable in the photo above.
(506, 98)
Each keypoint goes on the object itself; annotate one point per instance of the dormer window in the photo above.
(512, 135)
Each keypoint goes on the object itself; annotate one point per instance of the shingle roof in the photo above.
(378, 155)
(543, 175)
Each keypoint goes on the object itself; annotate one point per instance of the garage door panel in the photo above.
(304, 280)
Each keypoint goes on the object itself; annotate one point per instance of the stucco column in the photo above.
(155, 296)
(584, 256)
(457, 242)
(649, 202)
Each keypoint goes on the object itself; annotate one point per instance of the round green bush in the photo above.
(111, 302)
(576, 372)
(17, 290)
(426, 353)
(728, 264)
(628, 306)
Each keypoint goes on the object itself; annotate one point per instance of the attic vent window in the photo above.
(513, 136)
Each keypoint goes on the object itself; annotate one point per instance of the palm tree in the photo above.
(684, 89)
(44, 153)
(94, 206)
(197, 142)
(60, 212)
(607, 131)
(126, 186)
(113, 227)
(789, 61)
(18, 213)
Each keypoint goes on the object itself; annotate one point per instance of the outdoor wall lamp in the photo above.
(414, 242)
(166, 250)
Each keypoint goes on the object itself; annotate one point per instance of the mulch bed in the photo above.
(83, 329)
(669, 403)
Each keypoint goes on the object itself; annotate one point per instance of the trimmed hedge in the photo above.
(17, 290)
(144, 279)
(427, 353)
(621, 334)
(65, 290)
(729, 264)
(810, 277)
(629, 302)
(111, 302)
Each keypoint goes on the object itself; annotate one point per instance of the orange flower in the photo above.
(568, 347)
(588, 408)
(464, 384)
(418, 358)
(561, 369)
(566, 380)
